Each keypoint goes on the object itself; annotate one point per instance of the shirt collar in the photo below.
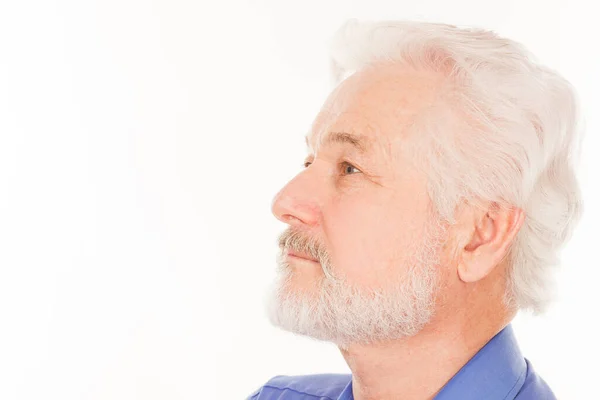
(495, 372)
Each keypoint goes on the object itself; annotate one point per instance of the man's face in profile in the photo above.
(360, 210)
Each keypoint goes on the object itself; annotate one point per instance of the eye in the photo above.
(348, 167)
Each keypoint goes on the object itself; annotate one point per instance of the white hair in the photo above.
(519, 138)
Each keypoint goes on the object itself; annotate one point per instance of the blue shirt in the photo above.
(497, 372)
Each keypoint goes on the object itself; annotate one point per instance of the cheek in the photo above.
(370, 238)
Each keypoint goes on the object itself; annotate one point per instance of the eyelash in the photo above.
(343, 163)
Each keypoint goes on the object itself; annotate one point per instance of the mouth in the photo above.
(295, 255)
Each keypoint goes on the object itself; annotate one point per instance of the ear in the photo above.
(492, 232)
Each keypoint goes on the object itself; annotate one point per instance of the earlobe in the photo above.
(462, 272)
(472, 269)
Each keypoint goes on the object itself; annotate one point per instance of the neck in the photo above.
(417, 367)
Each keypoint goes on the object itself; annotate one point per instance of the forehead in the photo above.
(376, 103)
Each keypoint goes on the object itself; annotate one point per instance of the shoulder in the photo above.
(534, 387)
(317, 386)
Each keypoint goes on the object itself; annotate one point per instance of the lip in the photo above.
(291, 253)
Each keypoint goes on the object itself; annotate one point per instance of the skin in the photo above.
(367, 212)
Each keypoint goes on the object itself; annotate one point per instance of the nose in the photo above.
(296, 203)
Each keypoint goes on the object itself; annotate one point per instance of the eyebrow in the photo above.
(361, 143)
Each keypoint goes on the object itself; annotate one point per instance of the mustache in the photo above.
(299, 241)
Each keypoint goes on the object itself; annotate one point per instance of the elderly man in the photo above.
(438, 190)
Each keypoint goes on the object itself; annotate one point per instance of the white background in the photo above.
(141, 143)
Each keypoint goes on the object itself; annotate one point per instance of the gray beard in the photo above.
(338, 312)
